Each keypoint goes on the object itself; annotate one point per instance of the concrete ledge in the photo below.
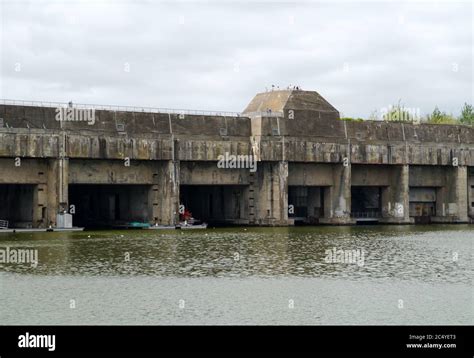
(274, 222)
(449, 220)
(337, 221)
(397, 221)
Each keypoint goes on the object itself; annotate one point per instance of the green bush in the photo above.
(438, 117)
(467, 115)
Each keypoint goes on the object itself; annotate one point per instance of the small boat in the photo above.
(138, 225)
(186, 222)
(131, 225)
(66, 229)
(191, 227)
(192, 223)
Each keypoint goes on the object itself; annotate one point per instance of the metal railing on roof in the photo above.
(118, 108)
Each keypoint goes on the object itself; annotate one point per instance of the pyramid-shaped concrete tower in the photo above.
(282, 101)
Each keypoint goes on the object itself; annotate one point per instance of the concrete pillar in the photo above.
(470, 189)
(271, 194)
(154, 204)
(57, 188)
(40, 205)
(395, 197)
(451, 199)
(337, 198)
(164, 194)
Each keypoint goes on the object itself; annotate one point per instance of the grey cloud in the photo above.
(221, 55)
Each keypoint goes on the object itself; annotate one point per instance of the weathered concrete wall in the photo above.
(470, 189)
(395, 196)
(133, 122)
(336, 182)
(451, 199)
(34, 132)
(451, 187)
(83, 171)
(311, 125)
(270, 191)
(310, 174)
(207, 173)
(371, 142)
(337, 198)
(372, 175)
(394, 183)
(303, 147)
(29, 171)
(165, 194)
(49, 197)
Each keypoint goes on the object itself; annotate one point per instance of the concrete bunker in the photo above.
(109, 205)
(324, 167)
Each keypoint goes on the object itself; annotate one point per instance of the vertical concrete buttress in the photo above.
(164, 193)
(57, 188)
(395, 197)
(337, 198)
(40, 206)
(271, 196)
(57, 183)
(470, 193)
(451, 199)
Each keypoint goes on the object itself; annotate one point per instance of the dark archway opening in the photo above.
(218, 205)
(423, 204)
(16, 205)
(305, 204)
(109, 206)
(366, 202)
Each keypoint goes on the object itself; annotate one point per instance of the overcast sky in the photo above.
(360, 56)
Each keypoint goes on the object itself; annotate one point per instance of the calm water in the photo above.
(408, 275)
